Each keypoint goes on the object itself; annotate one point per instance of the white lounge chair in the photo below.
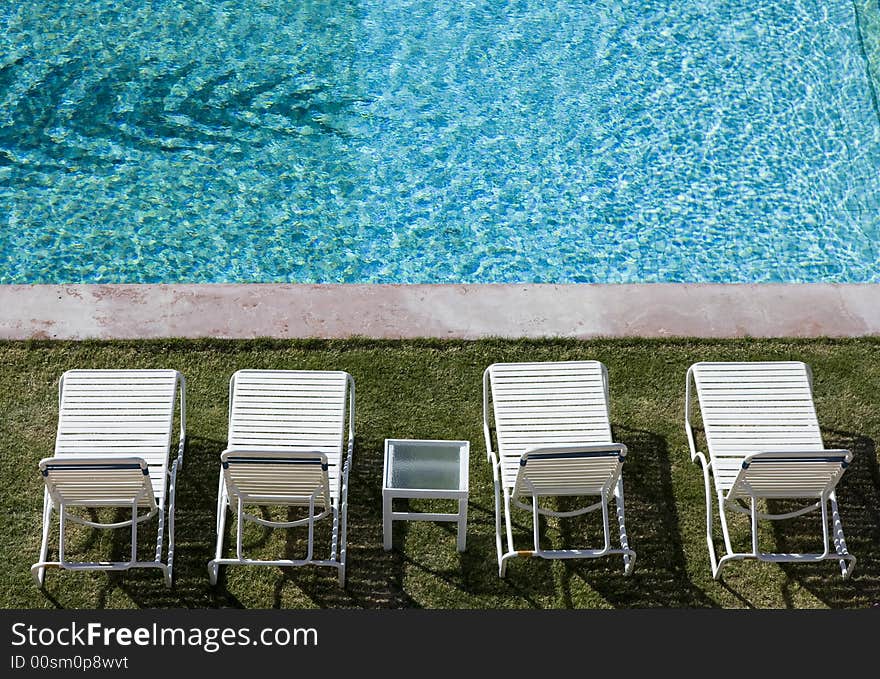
(112, 450)
(764, 443)
(554, 439)
(287, 435)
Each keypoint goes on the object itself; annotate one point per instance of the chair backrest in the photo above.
(293, 411)
(791, 475)
(572, 470)
(278, 478)
(119, 413)
(547, 404)
(97, 482)
(752, 407)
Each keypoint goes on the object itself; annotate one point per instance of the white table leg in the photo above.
(462, 523)
(386, 521)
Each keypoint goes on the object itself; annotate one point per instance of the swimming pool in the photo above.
(438, 141)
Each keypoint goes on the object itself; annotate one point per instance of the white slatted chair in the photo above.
(287, 433)
(553, 430)
(112, 449)
(764, 443)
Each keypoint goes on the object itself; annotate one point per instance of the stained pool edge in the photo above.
(73, 312)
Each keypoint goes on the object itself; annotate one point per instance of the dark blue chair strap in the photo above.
(828, 458)
(585, 453)
(274, 460)
(98, 466)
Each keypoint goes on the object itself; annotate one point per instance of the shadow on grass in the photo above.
(374, 578)
(427, 565)
(659, 578)
(195, 534)
(474, 572)
(378, 579)
(858, 497)
(196, 495)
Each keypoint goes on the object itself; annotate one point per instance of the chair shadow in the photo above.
(195, 514)
(659, 577)
(858, 497)
(475, 571)
(374, 577)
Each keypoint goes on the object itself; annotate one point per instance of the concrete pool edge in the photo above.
(74, 312)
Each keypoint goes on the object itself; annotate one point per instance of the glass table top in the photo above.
(427, 465)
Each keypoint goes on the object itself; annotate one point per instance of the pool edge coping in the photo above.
(584, 311)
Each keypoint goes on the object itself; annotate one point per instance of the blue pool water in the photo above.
(416, 141)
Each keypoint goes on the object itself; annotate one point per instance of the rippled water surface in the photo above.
(420, 141)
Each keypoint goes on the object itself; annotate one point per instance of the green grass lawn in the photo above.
(432, 389)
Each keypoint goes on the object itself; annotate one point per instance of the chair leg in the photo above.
(498, 549)
(387, 523)
(536, 524)
(718, 564)
(606, 530)
(40, 575)
(311, 525)
(710, 538)
(134, 534)
(628, 561)
(343, 543)
(160, 541)
(334, 534)
(753, 510)
(848, 562)
(221, 500)
(213, 566)
(502, 567)
(62, 516)
(341, 552)
(169, 569)
(169, 574)
(239, 528)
